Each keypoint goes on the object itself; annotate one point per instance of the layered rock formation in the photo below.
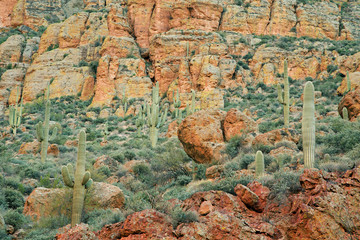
(200, 45)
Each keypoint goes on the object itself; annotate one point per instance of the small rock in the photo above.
(205, 208)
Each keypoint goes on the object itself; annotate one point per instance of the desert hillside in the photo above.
(196, 119)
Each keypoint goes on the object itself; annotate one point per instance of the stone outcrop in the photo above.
(45, 202)
(201, 135)
(277, 135)
(147, 224)
(5, 12)
(237, 123)
(60, 68)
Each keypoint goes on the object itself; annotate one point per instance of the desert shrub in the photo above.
(234, 146)
(179, 216)
(104, 170)
(53, 222)
(344, 137)
(227, 184)
(101, 217)
(282, 184)
(14, 218)
(267, 126)
(13, 198)
(331, 68)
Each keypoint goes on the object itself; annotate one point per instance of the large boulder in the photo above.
(201, 135)
(352, 102)
(237, 123)
(45, 202)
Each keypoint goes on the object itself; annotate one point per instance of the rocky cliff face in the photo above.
(97, 48)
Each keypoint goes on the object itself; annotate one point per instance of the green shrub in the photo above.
(14, 218)
(13, 198)
(331, 68)
(179, 216)
(234, 146)
(101, 217)
(282, 184)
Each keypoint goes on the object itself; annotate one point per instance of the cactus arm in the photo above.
(259, 164)
(54, 134)
(66, 177)
(39, 132)
(86, 178)
(308, 125)
(70, 169)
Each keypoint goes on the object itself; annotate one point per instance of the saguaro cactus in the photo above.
(15, 113)
(155, 119)
(259, 164)
(42, 132)
(345, 114)
(283, 96)
(81, 182)
(308, 125)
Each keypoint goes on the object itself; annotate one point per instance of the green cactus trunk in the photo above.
(259, 164)
(286, 95)
(45, 130)
(308, 125)
(345, 114)
(79, 188)
(153, 136)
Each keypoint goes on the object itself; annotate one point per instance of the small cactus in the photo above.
(124, 101)
(79, 182)
(259, 164)
(345, 114)
(140, 121)
(327, 157)
(15, 113)
(283, 96)
(308, 125)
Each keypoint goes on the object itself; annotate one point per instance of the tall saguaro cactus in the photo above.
(283, 96)
(308, 125)
(155, 119)
(81, 182)
(259, 164)
(42, 132)
(15, 113)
